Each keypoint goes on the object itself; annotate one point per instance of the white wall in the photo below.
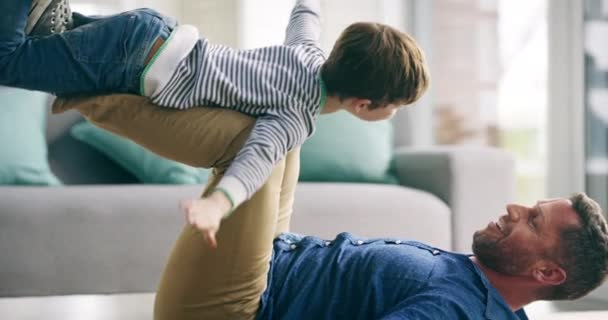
(216, 20)
(171, 8)
(263, 22)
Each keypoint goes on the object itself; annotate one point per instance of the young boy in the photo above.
(372, 70)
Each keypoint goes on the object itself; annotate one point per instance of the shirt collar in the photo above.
(496, 306)
(323, 95)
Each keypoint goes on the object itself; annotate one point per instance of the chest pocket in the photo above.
(419, 245)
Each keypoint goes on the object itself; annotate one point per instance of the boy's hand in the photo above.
(206, 214)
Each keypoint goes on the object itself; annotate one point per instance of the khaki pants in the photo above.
(227, 282)
(199, 282)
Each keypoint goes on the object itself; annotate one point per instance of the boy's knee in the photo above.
(148, 14)
(147, 17)
(147, 11)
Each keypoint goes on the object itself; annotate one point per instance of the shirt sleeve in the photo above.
(304, 23)
(270, 139)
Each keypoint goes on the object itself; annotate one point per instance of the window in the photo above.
(490, 81)
(596, 99)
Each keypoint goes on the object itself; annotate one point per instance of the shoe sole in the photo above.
(36, 11)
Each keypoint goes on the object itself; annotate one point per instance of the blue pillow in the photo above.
(145, 165)
(23, 148)
(347, 149)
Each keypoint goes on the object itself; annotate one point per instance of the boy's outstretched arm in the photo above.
(304, 23)
(270, 139)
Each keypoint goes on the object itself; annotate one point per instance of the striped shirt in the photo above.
(279, 85)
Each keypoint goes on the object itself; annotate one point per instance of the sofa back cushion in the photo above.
(23, 151)
(142, 163)
(346, 149)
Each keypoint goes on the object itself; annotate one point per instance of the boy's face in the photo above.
(363, 112)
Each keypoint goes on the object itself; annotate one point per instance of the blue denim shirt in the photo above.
(357, 278)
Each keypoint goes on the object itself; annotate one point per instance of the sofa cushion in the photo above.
(142, 163)
(109, 239)
(371, 210)
(23, 159)
(347, 149)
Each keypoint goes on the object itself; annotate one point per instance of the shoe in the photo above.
(47, 17)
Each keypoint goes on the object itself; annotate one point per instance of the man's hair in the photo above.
(583, 251)
(377, 62)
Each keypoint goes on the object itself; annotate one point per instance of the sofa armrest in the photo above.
(475, 182)
(87, 239)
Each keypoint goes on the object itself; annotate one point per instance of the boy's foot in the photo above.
(48, 17)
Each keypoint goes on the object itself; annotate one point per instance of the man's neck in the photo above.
(515, 290)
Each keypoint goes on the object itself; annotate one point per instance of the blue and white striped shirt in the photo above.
(279, 85)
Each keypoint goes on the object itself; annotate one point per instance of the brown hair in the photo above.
(583, 251)
(377, 62)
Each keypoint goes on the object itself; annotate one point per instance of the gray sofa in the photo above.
(102, 233)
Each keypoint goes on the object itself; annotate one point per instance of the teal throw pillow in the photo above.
(347, 149)
(23, 148)
(145, 165)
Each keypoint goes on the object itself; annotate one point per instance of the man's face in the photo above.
(524, 236)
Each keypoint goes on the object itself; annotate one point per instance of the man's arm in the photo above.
(304, 23)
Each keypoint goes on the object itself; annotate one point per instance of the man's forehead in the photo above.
(544, 201)
(559, 210)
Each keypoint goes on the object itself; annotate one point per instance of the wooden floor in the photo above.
(139, 307)
(585, 309)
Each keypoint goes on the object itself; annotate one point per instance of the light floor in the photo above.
(139, 307)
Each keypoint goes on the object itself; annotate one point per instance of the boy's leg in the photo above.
(100, 57)
(12, 24)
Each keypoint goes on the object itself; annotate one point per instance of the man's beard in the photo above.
(500, 256)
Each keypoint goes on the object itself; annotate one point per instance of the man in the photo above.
(556, 249)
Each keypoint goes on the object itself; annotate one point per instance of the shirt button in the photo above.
(359, 242)
(327, 243)
(435, 252)
(287, 241)
(293, 246)
(398, 242)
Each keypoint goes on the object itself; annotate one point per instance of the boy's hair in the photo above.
(377, 62)
(584, 251)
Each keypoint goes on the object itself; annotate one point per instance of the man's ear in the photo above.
(359, 105)
(549, 274)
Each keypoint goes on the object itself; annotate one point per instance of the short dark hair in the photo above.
(377, 62)
(583, 251)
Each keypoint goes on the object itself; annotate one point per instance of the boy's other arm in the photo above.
(304, 23)
(270, 139)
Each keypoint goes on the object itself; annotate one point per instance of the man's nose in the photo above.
(513, 212)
